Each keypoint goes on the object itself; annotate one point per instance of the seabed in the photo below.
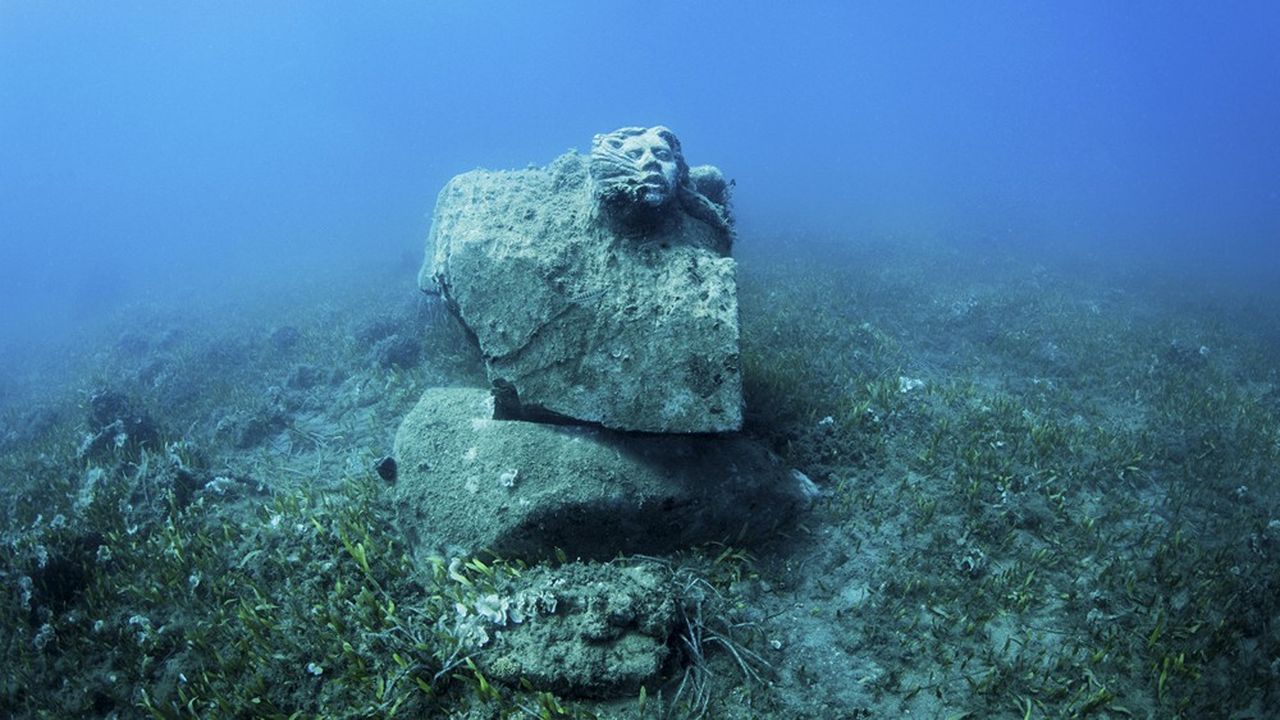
(1045, 493)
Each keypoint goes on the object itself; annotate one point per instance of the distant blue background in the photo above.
(160, 149)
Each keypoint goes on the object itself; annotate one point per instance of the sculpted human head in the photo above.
(656, 161)
(640, 181)
(635, 165)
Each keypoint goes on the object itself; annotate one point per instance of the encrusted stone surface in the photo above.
(584, 629)
(615, 306)
(467, 482)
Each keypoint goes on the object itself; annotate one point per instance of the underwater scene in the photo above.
(660, 360)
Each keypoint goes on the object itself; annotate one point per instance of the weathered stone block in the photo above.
(599, 292)
(467, 482)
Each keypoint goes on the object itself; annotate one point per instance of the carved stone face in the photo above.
(639, 180)
(655, 163)
(637, 167)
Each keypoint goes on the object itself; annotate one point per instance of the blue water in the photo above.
(155, 150)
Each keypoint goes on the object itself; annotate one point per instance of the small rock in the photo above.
(285, 337)
(304, 377)
(386, 469)
(378, 329)
(398, 351)
(116, 423)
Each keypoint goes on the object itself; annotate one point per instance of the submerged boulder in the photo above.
(467, 482)
(117, 424)
(598, 290)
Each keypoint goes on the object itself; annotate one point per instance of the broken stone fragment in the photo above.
(587, 629)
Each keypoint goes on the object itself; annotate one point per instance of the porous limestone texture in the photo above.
(590, 309)
(584, 629)
(467, 482)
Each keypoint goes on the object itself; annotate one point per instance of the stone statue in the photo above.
(639, 174)
(600, 289)
(602, 296)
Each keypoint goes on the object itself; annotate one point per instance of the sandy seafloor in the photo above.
(1048, 491)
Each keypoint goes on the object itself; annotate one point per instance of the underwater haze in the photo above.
(192, 148)
(1002, 289)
